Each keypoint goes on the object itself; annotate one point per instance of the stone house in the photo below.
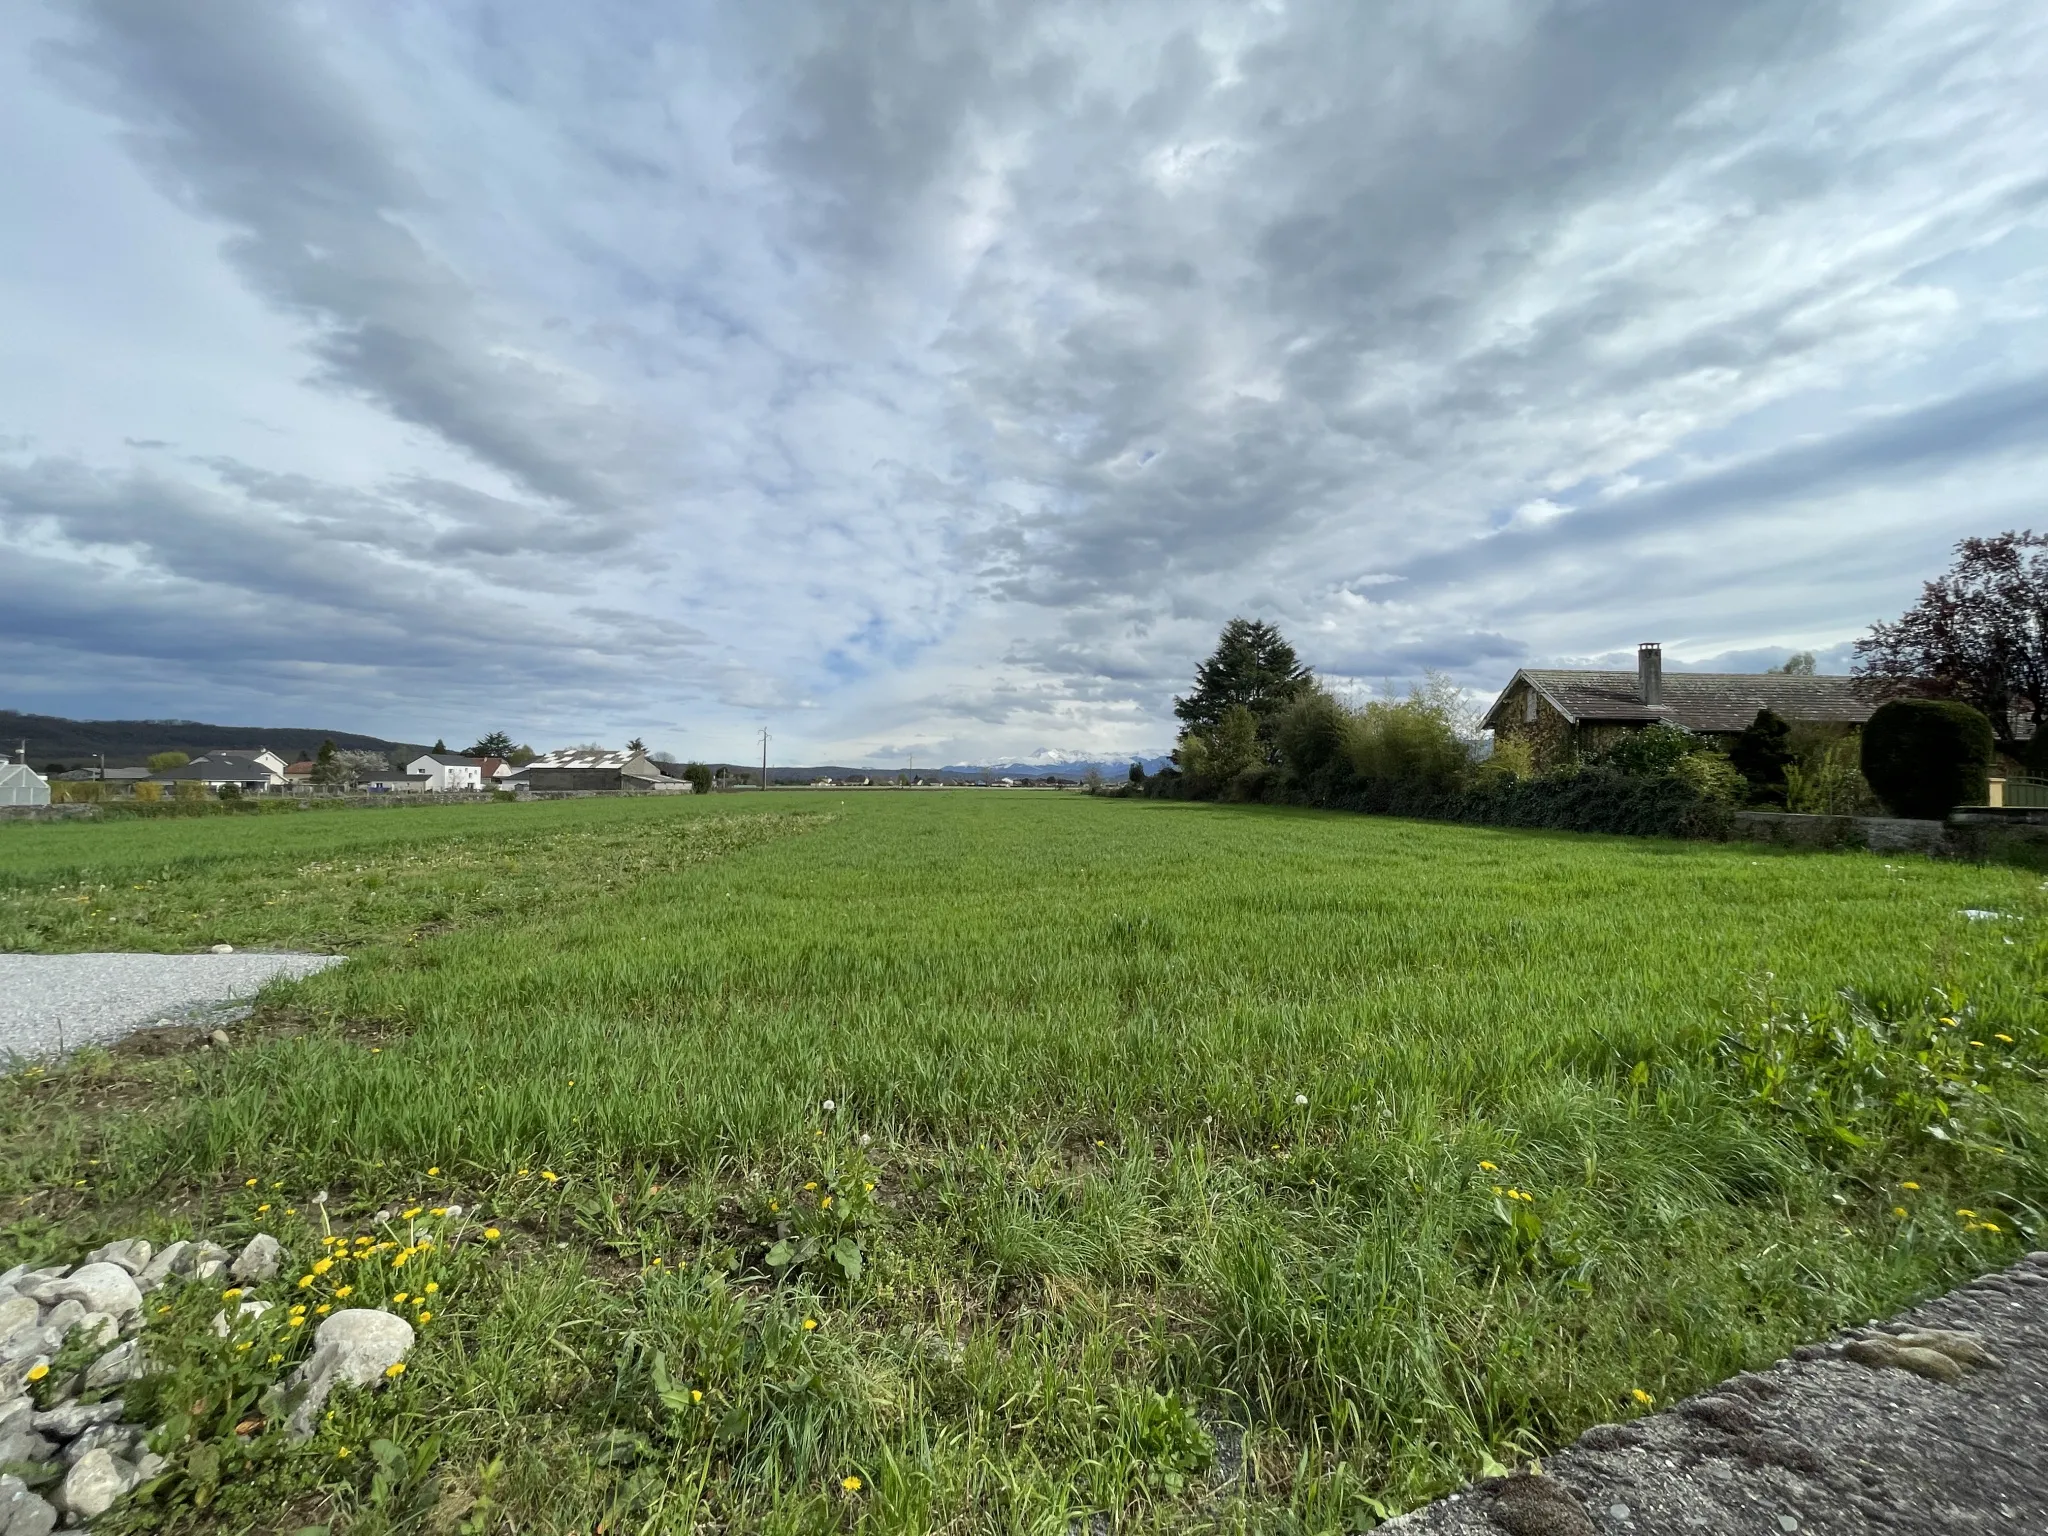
(1566, 714)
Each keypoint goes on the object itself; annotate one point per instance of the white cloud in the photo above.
(944, 376)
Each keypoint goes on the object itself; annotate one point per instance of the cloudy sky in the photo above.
(937, 377)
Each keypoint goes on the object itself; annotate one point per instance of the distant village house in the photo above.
(1563, 714)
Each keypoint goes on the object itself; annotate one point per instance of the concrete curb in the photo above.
(1863, 1434)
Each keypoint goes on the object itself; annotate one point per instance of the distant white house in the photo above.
(22, 785)
(445, 771)
(253, 773)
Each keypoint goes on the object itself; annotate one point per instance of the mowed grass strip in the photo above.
(1201, 1166)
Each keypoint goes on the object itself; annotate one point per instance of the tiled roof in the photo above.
(1699, 701)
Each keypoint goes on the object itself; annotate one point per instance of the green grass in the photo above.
(1110, 1263)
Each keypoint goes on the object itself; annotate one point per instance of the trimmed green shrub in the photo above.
(1656, 748)
(1761, 754)
(1925, 757)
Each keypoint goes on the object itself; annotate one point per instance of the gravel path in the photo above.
(55, 1003)
(1928, 1426)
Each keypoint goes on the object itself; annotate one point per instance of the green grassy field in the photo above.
(1205, 1167)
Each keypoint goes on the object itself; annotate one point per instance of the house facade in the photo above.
(252, 773)
(1568, 714)
(445, 772)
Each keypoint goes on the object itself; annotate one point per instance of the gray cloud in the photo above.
(950, 373)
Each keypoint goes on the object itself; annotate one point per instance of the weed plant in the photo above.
(984, 1162)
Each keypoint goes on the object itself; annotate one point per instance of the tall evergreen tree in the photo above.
(496, 744)
(1252, 668)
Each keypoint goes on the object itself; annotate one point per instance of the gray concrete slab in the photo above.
(50, 1004)
(1865, 1433)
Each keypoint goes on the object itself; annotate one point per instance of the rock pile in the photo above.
(42, 1311)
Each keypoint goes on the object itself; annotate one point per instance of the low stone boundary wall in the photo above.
(2010, 835)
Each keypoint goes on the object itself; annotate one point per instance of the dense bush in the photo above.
(1761, 754)
(1925, 757)
(1654, 749)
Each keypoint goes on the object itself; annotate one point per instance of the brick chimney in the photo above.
(1650, 673)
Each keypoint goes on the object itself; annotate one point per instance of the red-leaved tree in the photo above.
(1979, 634)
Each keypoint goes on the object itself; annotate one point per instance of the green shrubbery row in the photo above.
(1413, 757)
(1410, 758)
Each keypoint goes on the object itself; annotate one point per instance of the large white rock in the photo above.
(91, 1487)
(23, 1513)
(75, 1418)
(356, 1346)
(125, 1362)
(101, 1287)
(94, 1327)
(16, 1315)
(258, 1261)
(160, 1266)
(132, 1254)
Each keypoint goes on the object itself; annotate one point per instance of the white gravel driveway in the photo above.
(55, 1003)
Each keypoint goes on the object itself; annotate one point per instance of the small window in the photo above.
(1529, 706)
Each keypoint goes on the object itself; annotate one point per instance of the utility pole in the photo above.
(764, 760)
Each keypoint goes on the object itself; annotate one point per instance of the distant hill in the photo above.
(127, 743)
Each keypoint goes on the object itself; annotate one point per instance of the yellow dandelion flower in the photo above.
(812, 1185)
(395, 1370)
(275, 1360)
(850, 1483)
(1961, 1212)
(1909, 1184)
(229, 1294)
(524, 1172)
(696, 1396)
(1898, 1210)
(248, 1183)
(433, 1286)
(408, 1215)
(810, 1323)
(1642, 1398)
(439, 1210)
(246, 1345)
(426, 1317)
(825, 1204)
(262, 1208)
(774, 1206)
(869, 1185)
(398, 1260)
(344, 1292)
(402, 1295)
(341, 1453)
(295, 1322)
(304, 1281)
(492, 1234)
(38, 1371)
(1490, 1167)
(2006, 1038)
(432, 1171)
(549, 1175)
(321, 1266)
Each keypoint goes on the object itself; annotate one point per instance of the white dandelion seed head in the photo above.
(830, 1106)
(1301, 1098)
(865, 1138)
